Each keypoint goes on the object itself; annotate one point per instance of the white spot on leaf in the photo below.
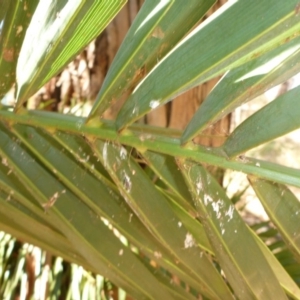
(229, 212)
(135, 111)
(19, 29)
(130, 217)
(189, 241)
(104, 154)
(123, 153)
(207, 199)
(216, 208)
(4, 161)
(154, 103)
(127, 184)
(198, 186)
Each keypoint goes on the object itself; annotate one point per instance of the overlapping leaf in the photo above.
(150, 38)
(230, 238)
(57, 32)
(167, 170)
(287, 283)
(55, 167)
(110, 205)
(153, 210)
(279, 117)
(244, 84)
(283, 208)
(13, 220)
(262, 25)
(157, 140)
(124, 268)
(14, 20)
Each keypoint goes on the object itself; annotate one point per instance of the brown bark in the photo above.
(77, 86)
(182, 109)
(80, 82)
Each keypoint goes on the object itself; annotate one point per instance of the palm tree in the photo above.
(133, 202)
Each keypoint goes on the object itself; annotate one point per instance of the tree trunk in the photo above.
(182, 109)
(77, 86)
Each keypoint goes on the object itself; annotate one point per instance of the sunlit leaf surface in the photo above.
(198, 57)
(136, 203)
(57, 32)
(283, 208)
(279, 117)
(244, 84)
(149, 39)
(230, 238)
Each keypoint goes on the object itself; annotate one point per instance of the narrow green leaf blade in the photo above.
(13, 220)
(287, 283)
(159, 140)
(78, 147)
(81, 182)
(146, 43)
(283, 209)
(10, 184)
(60, 29)
(68, 211)
(244, 84)
(17, 15)
(239, 256)
(3, 10)
(167, 170)
(177, 291)
(193, 226)
(279, 117)
(154, 211)
(198, 57)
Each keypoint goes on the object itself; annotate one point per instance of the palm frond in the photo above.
(75, 186)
